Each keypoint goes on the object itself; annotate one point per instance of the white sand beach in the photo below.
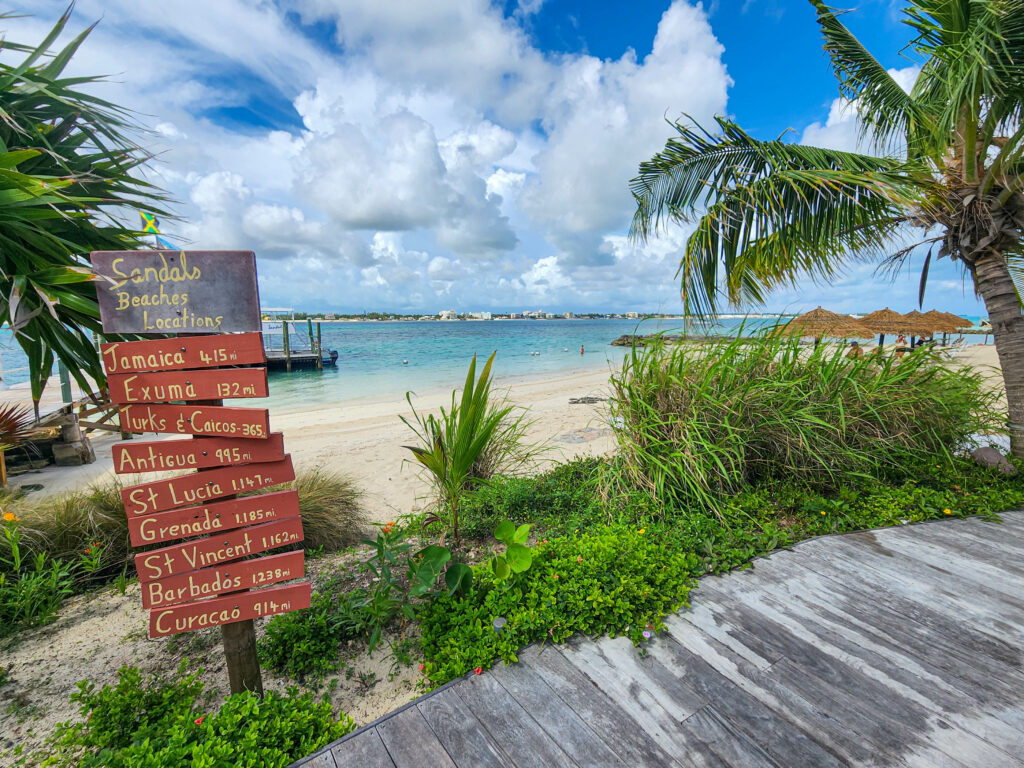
(365, 438)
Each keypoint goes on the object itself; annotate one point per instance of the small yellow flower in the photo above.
(643, 530)
(947, 512)
(823, 511)
(10, 517)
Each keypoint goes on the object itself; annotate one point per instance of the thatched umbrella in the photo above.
(946, 322)
(925, 323)
(883, 321)
(820, 322)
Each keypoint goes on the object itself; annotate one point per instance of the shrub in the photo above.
(472, 440)
(64, 527)
(616, 580)
(31, 593)
(561, 499)
(306, 643)
(159, 723)
(697, 422)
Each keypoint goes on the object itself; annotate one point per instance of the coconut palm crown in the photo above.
(69, 179)
(943, 176)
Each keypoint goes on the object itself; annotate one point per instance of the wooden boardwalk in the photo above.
(899, 647)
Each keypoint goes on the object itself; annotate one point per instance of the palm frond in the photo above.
(768, 211)
(889, 117)
(68, 172)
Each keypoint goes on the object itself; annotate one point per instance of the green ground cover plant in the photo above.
(154, 722)
(697, 423)
(613, 580)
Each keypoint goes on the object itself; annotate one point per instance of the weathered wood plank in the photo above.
(721, 738)
(364, 750)
(770, 730)
(565, 727)
(901, 648)
(506, 720)
(463, 736)
(657, 711)
(617, 726)
(955, 565)
(839, 610)
(411, 743)
(880, 713)
(992, 611)
(1004, 554)
(321, 760)
(840, 738)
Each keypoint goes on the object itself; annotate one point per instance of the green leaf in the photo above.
(522, 533)
(500, 568)
(519, 557)
(505, 532)
(458, 578)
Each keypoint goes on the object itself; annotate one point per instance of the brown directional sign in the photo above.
(175, 386)
(177, 291)
(195, 453)
(215, 550)
(212, 518)
(206, 420)
(179, 354)
(200, 487)
(234, 577)
(224, 610)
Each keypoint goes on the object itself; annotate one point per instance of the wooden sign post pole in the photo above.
(177, 386)
(239, 640)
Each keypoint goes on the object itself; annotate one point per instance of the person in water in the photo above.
(581, 349)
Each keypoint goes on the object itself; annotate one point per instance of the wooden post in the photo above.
(319, 350)
(287, 350)
(243, 664)
(239, 638)
(3, 468)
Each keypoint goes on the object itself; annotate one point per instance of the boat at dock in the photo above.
(295, 344)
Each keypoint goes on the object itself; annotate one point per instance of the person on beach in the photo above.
(856, 350)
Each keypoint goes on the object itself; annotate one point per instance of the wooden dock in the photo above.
(898, 647)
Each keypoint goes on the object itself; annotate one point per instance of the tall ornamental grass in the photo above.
(695, 423)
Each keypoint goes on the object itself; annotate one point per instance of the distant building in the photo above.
(330, 316)
(632, 315)
(480, 315)
(447, 314)
(568, 315)
(514, 315)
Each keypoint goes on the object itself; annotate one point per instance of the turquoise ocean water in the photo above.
(385, 359)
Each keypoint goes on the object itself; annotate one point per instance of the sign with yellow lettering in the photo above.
(177, 291)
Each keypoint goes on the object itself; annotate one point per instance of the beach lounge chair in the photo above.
(955, 348)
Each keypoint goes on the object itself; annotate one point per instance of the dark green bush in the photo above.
(159, 723)
(306, 643)
(615, 580)
(697, 423)
(562, 499)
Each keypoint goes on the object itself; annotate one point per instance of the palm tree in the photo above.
(66, 168)
(945, 160)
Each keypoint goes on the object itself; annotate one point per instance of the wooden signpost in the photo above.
(208, 573)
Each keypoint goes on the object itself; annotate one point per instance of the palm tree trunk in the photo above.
(992, 280)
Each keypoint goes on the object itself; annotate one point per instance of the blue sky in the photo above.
(413, 156)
